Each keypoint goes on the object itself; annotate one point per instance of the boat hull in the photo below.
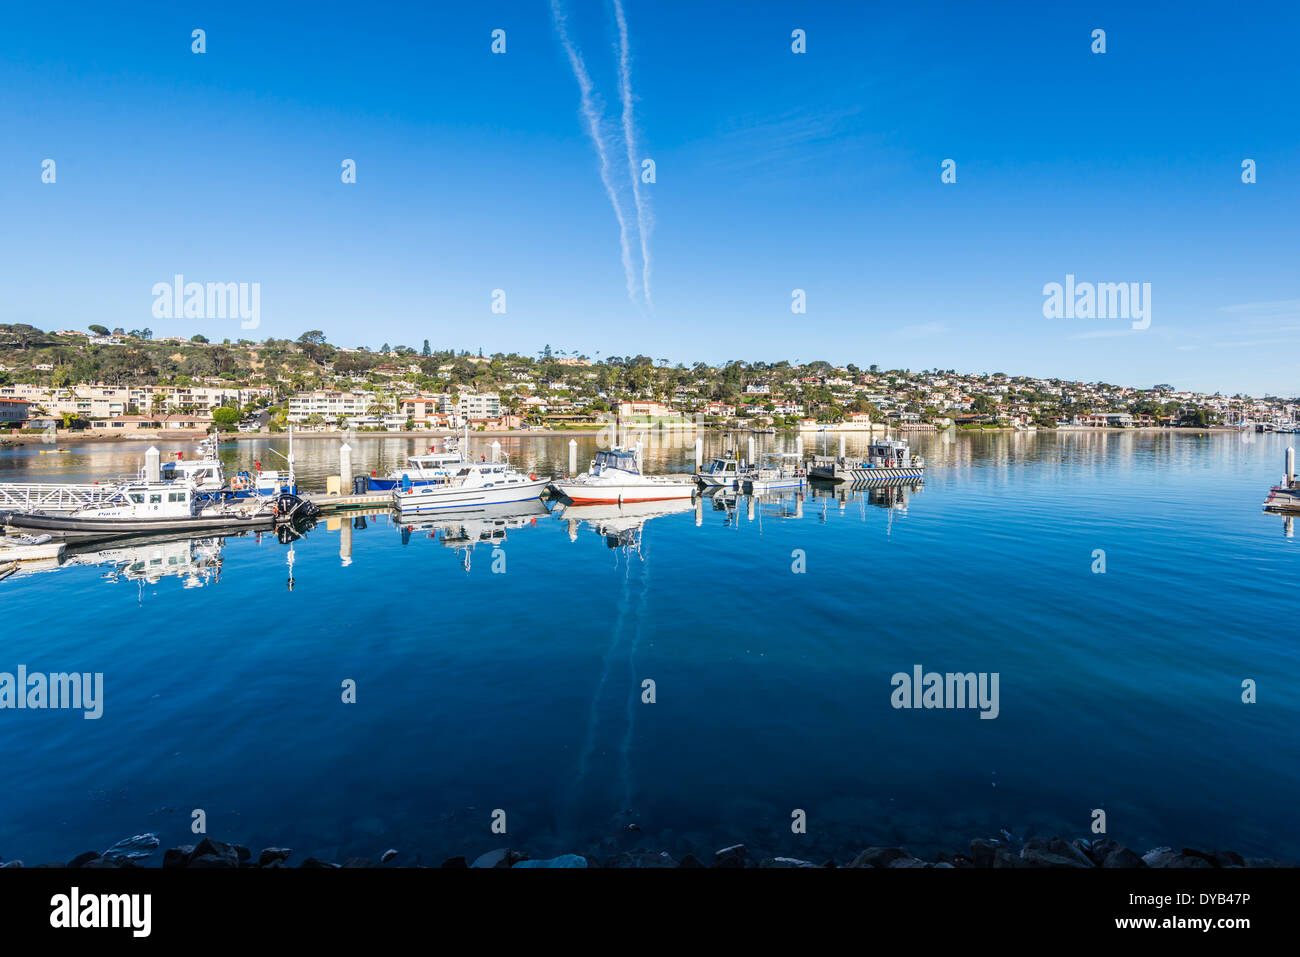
(836, 473)
(579, 493)
(760, 486)
(73, 526)
(423, 499)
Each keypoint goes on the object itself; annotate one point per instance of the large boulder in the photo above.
(273, 856)
(878, 857)
(498, 858)
(733, 856)
(1168, 857)
(1053, 852)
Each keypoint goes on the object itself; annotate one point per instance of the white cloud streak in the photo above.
(591, 113)
(644, 216)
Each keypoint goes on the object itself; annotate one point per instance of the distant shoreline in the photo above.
(178, 436)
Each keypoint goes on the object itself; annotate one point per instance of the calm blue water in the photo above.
(520, 689)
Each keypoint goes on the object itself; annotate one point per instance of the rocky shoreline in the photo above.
(1002, 852)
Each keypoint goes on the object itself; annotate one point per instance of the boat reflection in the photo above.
(619, 525)
(146, 559)
(464, 529)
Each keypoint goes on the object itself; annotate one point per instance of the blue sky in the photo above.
(775, 171)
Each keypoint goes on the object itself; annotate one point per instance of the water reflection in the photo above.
(463, 530)
(619, 525)
(145, 559)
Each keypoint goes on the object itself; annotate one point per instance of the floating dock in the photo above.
(342, 503)
(1286, 496)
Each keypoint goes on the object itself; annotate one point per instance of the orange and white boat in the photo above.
(615, 478)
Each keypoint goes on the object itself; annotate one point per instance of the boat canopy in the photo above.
(616, 459)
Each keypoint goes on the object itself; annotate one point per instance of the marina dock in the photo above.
(342, 503)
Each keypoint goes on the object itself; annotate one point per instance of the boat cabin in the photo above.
(621, 459)
(888, 453)
(205, 473)
(145, 500)
(723, 468)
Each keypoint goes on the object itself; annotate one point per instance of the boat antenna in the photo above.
(288, 458)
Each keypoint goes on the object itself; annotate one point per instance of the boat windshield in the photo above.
(616, 460)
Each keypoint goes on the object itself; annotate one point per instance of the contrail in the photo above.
(644, 218)
(591, 113)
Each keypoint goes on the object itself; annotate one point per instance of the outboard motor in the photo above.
(291, 508)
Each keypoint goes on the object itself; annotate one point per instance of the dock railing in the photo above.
(49, 497)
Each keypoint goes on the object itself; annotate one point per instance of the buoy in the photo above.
(532, 477)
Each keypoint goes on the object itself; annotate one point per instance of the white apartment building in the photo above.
(330, 406)
(476, 405)
(109, 401)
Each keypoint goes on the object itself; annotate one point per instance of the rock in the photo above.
(100, 863)
(878, 857)
(1004, 857)
(355, 862)
(690, 860)
(1229, 859)
(908, 861)
(273, 855)
(134, 847)
(983, 851)
(215, 854)
(1117, 855)
(1168, 857)
(497, 858)
(784, 862)
(455, 862)
(243, 853)
(178, 856)
(1053, 852)
(641, 858)
(514, 857)
(12, 864)
(564, 860)
(81, 860)
(315, 863)
(733, 856)
(388, 855)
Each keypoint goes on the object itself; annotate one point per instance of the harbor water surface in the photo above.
(1122, 585)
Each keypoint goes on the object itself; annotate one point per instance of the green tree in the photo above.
(225, 417)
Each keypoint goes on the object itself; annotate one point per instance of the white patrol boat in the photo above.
(781, 470)
(432, 468)
(143, 507)
(886, 459)
(470, 485)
